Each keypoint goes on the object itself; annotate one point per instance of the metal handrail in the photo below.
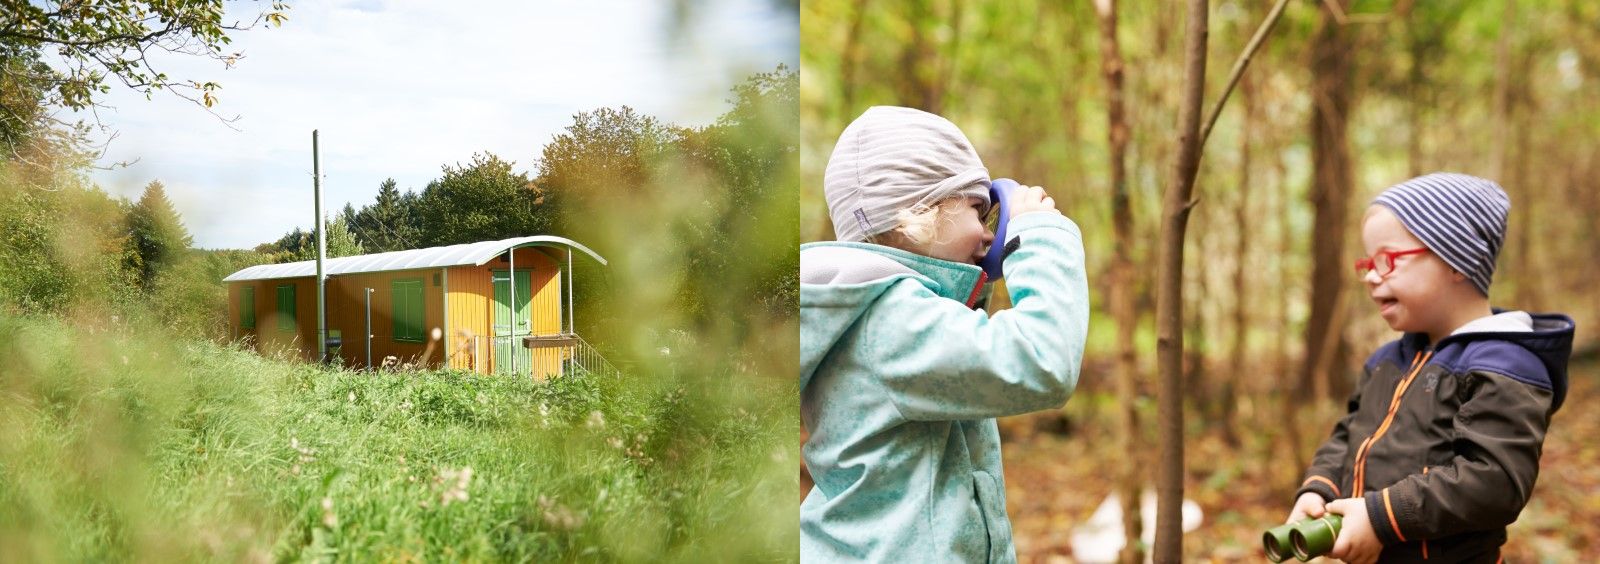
(575, 353)
(588, 358)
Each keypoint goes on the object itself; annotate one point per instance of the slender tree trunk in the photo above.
(852, 59)
(1507, 84)
(1502, 93)
(1195, 392)
(1330, 194)
(1241, 218)
(1069, 162)
(946, 52)
(1197, 386)
(1287, 389)
(1121, 291)
(1416, 82)
(1169, 296)
(1528, 296)
(921, 63)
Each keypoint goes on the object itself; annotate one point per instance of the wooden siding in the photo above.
(472, 311)
(545, 311)
(471, 295)
(266, 337)
(347, 313)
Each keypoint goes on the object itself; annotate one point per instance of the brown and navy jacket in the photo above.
(1442, 439)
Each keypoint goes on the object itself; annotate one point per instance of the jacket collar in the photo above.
(954, 280)
(1550, 340)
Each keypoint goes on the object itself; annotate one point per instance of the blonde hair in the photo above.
(919, 226)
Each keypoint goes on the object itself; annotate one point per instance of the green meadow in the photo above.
(120, 443)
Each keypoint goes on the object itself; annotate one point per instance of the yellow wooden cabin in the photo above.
(441, 306)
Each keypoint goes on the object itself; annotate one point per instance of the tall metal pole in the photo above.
(444, 303)
(572, 305)
(322, 278)
(514, 344)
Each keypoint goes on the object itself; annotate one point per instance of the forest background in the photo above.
(1343, 99)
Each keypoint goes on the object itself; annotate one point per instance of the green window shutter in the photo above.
(247, 307)
(407, 309)
(286, 313)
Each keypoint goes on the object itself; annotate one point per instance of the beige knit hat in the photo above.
(894, 158)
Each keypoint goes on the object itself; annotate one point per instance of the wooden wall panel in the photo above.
(471, 292)
(347, 313)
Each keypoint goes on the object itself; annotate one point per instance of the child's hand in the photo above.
(1309, 505)
(1029, 199)
(1357, 543)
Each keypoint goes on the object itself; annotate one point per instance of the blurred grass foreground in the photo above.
(121, 443)
(130, 431)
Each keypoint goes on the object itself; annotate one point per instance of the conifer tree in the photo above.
(156, 233)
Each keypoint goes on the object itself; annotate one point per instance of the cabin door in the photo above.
(511, 326)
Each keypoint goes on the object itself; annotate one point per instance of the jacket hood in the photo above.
(839, 281)
(1550, 341)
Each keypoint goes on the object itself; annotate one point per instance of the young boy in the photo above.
(1440, 448)
(900, 378)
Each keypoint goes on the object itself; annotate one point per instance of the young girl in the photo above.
(900, 378)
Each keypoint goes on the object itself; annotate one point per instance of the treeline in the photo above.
(487, 199)
(615, 154)
(71, 249)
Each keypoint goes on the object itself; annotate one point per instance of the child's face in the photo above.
(961, 235)
(1410, 297)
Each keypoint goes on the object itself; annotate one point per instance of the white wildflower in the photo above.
(558, 516)
(455, 484)
(328, 518)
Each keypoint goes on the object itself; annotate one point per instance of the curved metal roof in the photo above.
(466, 254)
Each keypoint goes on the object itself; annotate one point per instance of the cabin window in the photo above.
(407, 306)
(286, 313)
(247, 307)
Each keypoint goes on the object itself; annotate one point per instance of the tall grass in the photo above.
(117, 443)
(126, 435)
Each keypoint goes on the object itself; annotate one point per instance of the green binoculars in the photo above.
(1304, 539)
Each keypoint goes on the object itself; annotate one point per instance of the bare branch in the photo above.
(1342, 18)
(1240, 64)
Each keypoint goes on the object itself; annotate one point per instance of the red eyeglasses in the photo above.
(1383, 262)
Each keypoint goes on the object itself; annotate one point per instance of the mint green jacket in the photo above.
(900, 382)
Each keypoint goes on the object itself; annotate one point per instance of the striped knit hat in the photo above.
(1460, 218)
(894, 158)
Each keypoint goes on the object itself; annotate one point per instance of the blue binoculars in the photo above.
(1000, 192)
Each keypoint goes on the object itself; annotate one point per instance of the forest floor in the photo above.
(1060, 466)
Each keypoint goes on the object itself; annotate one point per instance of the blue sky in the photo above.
(398, 89)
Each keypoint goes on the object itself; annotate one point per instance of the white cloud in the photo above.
(398, 89)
